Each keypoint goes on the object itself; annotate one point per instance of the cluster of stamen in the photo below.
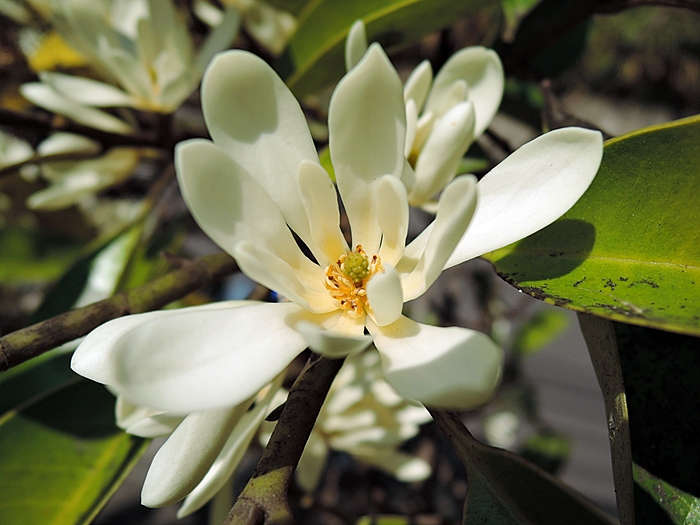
(347, 278)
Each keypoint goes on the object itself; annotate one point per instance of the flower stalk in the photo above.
(264, 499)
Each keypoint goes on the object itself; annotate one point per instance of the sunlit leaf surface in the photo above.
(628, 250)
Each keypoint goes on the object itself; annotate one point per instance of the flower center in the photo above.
(347, 278)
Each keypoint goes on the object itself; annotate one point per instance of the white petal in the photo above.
(155, 426)
(86, 91)
(529, 190)
(192, 359)
(441, 367)
(187, 455)
(355, 44)
(439, 158)
(231, 207)
(403, 467)
(304, 288)
(46, 97)
(411, 126)
(321, 203)
(337, 337)
(218, 39)
(231, 453)
(418, 84)
(252, 114)
(457, 93)
(482, 70)
(67, 143)
(312, 462)
(271, 27)
(367, 133)
(392, 217)
(457, 204)
(385, 296)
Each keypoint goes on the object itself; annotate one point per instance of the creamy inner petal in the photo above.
(456, 207)
(367, 127)
(392, 216)
(321, 203)
(442, 367)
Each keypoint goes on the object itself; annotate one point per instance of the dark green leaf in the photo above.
(314, 57)
(61, 457)
(660, 371)
(505, 489)
(628, 250)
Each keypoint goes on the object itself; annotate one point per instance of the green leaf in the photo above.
(660, 372)
(30, 256)
(291, 6)
(680, 507)
(539, 331)
(103, 260)
(314, 57)
(628, 250)
(505, 489)
(61, 457)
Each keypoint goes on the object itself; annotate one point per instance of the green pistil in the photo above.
(356, 266)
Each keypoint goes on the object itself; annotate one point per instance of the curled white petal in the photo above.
(385, 296)
(529, 190)
(355, 44)
(441, 367)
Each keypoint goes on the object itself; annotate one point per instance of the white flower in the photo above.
(269, 26)
(13, 150)
(364, 417)
(443, 116)
(70, 181)
(141, 46)
(203, 448)
(260, 177)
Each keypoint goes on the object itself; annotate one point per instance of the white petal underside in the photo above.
(441, 367)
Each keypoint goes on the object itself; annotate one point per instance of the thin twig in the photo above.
(264, 499)
(47, 124)
(55, 157)
(22, 345)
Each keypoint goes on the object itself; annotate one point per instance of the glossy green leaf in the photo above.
(505, 489)
(539, 331)
(61, 457)
(660, 371)
(102, 262)
(25, 382)
(680, 507)
(314, 57)
(628, 250)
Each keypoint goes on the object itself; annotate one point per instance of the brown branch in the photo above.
(47, 124)
(55, 157)
(22, 345)
(264, 499)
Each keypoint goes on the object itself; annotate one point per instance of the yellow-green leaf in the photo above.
(62, 456)
(628, 250)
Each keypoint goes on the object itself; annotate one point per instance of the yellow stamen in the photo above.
(347, 278)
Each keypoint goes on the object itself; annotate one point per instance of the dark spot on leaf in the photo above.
(609, 284)
(577, 283)
(624, 279)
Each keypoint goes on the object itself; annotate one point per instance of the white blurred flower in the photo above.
(443, 115)
(71, 181)
(13, 150)
(269, 26)
(141, 46)
(366, 418)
